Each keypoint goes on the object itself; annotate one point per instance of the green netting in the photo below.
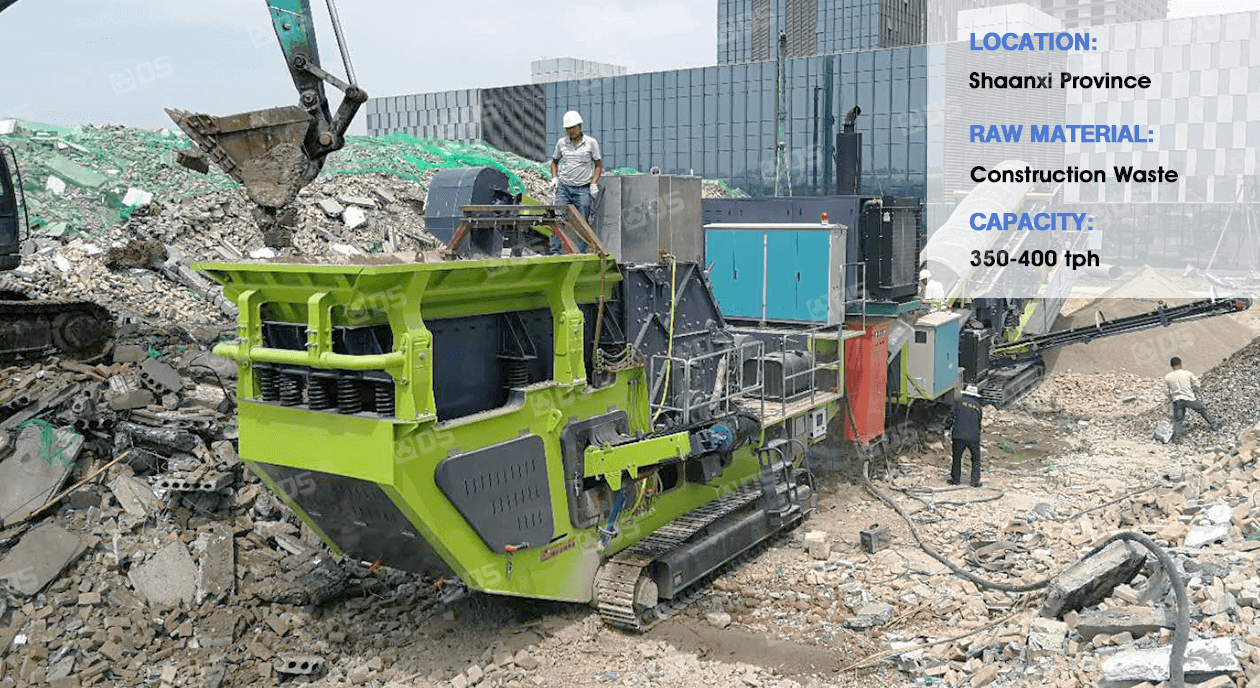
(736, 193)
(49, 452)
(406, 156)
(99, 165)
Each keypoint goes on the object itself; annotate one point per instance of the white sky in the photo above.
(66, 61)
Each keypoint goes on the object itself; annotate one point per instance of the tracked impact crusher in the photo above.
(555, 427)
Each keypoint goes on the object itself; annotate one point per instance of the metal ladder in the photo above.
(778, 485)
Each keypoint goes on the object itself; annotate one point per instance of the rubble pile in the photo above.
(1230, 390)
(137, 549)
(1106, 621)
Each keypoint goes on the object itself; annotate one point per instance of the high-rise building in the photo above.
(748, 30)
(565, 68)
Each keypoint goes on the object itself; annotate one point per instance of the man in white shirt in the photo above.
(931, 291)
(576, 166)
(1181, 386)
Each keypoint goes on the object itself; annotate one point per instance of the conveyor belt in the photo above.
(1160, 317)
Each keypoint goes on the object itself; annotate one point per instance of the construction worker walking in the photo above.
(968, 412)
(1181, 386)
(576, 166)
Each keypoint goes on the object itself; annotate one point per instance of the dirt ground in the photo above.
(779, 620)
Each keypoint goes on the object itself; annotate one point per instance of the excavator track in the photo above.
(623, 577)
(38, 329)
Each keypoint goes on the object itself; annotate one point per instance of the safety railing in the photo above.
(729, 381)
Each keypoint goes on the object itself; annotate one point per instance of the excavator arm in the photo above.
(276, 152)
(295, 28)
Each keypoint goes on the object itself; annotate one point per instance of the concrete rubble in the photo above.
(167, 563)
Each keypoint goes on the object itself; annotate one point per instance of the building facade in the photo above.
(1203, 110)
(565, 68)
(748, 30)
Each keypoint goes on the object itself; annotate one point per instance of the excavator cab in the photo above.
(12, 210)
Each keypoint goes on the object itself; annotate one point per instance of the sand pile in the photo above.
(1201, 344)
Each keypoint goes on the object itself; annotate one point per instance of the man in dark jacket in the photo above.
(968, 411)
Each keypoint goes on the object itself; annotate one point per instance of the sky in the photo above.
(123, 61)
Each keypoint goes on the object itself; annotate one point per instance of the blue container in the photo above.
(778, 272)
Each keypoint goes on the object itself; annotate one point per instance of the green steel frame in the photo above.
(400, 454)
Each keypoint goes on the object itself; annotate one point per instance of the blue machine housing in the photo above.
(778, 272)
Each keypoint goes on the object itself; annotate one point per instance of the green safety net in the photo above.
(99, 164)
(49, 452)
(406, 156)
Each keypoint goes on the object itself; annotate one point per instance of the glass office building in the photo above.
(719, 121)
(748, 30)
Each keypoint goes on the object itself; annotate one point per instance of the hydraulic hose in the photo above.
(1181, 632)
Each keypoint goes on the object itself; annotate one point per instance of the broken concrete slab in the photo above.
(870, 616)
(40, 463)
(131, 399)
(39, 558)
(216, 576)
(361, 201)
(135, 496)
(156, 374)
(331, 208)
(816, 544)
(1205, 535)
(1218, 514)
(218, 630)
(354, 217)
(193, 159)
(75, 173)
(1047, 637)
(168, 578)
(1211, 656)
(137, 197)
(1135, 621)
(1088, 582)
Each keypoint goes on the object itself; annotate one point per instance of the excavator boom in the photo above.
(275, 152)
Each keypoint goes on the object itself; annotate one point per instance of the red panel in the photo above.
(866, 380)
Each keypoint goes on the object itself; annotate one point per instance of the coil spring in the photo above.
(290, 389)
(385, 398)
(348, 399)
(517, 373)
(267, 384)
(321, 393)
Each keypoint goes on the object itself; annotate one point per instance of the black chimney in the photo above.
(849, 156)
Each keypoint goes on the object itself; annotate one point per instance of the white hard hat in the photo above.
(924, 274)
(971, 389)
(572, 119)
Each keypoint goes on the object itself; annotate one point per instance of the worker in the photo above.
(576, 166)
(968, 412)
(931, 291)
(1181, 385)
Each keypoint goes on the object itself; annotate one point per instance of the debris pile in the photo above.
(1104, 621)
(137, 549)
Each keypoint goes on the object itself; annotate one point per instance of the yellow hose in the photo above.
(669, 354)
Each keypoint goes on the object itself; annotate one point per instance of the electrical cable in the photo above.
(1181, 632)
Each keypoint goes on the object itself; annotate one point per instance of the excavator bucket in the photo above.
(263, 150)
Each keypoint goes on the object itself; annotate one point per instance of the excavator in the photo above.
(273, 153)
